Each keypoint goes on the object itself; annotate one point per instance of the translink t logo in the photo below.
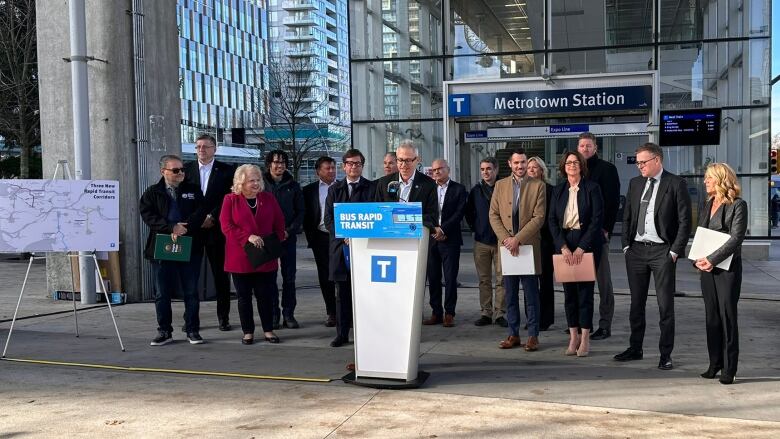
(383, 268)
(460, 105)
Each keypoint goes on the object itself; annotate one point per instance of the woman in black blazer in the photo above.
(576, 229)
(537, 169)
(724, 211)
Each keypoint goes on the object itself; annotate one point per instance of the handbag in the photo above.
(271, 249)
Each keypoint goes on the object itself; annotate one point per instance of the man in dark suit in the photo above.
(444, 248)
(314, 195)
(605, 175)
(656, 226)
(215, 179)
(408, 185)
(353, 189)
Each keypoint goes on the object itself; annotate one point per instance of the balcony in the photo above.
(300, 20)
(298, 37)
(298, 5)
(300, 53)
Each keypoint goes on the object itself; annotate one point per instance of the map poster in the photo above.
(59, 215)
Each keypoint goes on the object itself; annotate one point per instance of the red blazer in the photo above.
(238, 224)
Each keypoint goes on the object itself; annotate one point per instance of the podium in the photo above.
(388, 254)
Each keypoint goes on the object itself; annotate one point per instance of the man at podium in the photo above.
(352, 189)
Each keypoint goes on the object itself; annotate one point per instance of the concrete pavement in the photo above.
(475, 389)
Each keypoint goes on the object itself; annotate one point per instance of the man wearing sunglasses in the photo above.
(174, 207)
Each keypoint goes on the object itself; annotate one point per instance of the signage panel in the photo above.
(690, 127)
(378, 220)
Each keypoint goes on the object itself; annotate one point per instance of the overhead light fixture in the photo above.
(515, 4)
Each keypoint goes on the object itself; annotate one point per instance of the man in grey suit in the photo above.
(656, 226)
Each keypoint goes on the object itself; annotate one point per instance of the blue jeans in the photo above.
(170, 275)
(287, 262)
(531, 293)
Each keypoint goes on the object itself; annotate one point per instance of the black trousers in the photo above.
(443, 256)
(263, 287)
(546, 288)
(642, 261)
(343, 308)
(322, 258)
(720, 290)
(215, 252)
(578, 296)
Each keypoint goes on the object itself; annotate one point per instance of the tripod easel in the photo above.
(63, 165)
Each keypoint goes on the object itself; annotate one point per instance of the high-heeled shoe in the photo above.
(711, 373)
(582, 353)
(571, 352)
(726, 378)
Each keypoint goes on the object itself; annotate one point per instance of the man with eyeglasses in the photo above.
(656, 225)
(606, 176)
(289, 195)
(215, 179)
(174, 207)
(352, 189)
(444, 247)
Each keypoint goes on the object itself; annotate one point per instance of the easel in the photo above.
(63, 165)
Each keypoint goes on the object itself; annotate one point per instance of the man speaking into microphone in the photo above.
(409, 185)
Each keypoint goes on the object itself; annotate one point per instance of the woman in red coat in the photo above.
(247, 215)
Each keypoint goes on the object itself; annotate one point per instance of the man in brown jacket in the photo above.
(517, 214)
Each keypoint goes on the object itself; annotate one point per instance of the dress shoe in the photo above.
(291, 323)
(449, 320)
(665, 363)
(247, 340)
(532, 344)
(711, 373)
(194, 337)
(351, 367)
(629, 354)
(510, 342)
(432, 320)
(582, 352)
(601, 334)
(483, 321)
(501, 321)
(338, 342)
(727, 379)
(225, 326)
(331, 321)
(272, 339)
(572, 351)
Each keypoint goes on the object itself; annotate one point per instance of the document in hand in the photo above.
(585, 271)
(167, 250)
(521, 264)
(707, 241)
(270, 250)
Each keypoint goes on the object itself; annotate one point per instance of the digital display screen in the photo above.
(690, 127)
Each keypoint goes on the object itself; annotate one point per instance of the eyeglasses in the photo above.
(351, 164)
(406, 161)
(175, 170)
(572, 163)
(641, 163)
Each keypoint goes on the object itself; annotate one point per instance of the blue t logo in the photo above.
(383, 268)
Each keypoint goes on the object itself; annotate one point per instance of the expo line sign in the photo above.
(637, 97)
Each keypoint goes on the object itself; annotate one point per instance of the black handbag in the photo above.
(271, 249)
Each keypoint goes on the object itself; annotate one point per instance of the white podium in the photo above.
(388, 258)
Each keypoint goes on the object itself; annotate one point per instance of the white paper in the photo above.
(521, 264)
(707, 241)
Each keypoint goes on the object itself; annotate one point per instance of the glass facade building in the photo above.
(223, 52)
(701, 54)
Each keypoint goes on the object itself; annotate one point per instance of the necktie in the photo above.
(404, 198)
(516, 214)
(352, 189)
(640, 227)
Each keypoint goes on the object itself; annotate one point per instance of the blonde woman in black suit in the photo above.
(724, 211)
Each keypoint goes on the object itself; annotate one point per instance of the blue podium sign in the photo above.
(378, 220)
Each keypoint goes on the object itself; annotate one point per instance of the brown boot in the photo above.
(532, 344)
(510, 342)
(449, 320)
(432, 320)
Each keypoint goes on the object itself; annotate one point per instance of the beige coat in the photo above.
(533, 202)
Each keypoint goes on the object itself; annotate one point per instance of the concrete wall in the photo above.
(114, 151)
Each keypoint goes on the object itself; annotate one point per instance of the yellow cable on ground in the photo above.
(177, 371)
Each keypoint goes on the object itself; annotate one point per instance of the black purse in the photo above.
(271, 249)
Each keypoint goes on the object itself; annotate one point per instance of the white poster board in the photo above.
(59, 215)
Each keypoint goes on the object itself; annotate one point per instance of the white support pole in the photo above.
(19, 301)
(81, 140)
(108, 300)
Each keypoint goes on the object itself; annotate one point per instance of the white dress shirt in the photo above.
(405, 188)
(205, 173)
(441, 190)
(323, 191)
(651, 233)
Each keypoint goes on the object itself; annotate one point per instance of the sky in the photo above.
(776, 69)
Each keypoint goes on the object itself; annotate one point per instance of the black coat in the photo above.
(605, 174)
(452, 212)
(547, 239)
(339, 193)
(672, 211)
(731, 219)
(154, 207)
(289, 195)
(590, 208)
(477, 213)
(312, 211)
(423, 191)
(220, 184)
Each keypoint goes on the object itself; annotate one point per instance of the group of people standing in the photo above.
(225, 209)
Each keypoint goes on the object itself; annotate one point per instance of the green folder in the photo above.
(167, 250)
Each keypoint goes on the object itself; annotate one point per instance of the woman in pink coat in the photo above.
(247, 215)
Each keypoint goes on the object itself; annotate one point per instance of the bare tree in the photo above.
(19, 107)
(298, 97)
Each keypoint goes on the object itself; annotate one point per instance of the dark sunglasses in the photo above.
(175, 170)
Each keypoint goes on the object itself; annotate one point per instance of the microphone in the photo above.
(392, 189)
